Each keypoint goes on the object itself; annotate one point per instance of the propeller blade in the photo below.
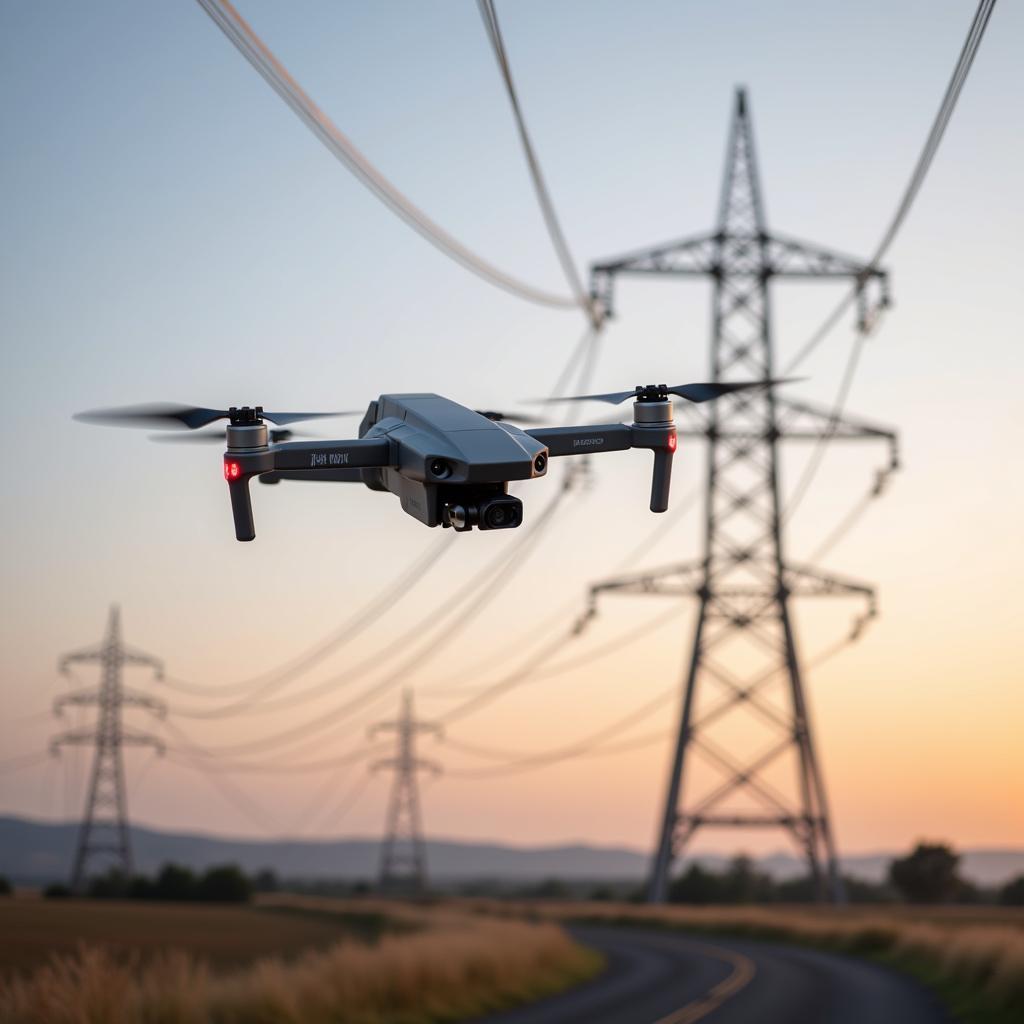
(163, 415)
(512, 417)
(709, 392)
(169, 416)
(220, 437)
(689, 392)
(612, 397)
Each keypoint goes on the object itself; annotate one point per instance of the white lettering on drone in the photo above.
(583, 442)
(328, 458)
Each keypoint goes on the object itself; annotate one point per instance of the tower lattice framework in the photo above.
(103, 836)
(403, 862)
(744, 670)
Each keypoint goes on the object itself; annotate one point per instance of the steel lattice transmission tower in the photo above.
(403, 862)
(744, 659)
(103, 833)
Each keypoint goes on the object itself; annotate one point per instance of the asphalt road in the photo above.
(664, 978)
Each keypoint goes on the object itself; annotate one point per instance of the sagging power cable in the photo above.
(277, 678)
(924, 162)
(454, 618)
(547, 206)
(255, 51)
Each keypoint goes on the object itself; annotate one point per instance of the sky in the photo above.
(173, 232)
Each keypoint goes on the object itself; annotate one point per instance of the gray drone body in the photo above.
(448, 465)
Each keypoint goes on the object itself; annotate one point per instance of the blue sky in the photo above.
(172, 231)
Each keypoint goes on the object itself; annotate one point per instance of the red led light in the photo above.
(672, 442)
(232, 470)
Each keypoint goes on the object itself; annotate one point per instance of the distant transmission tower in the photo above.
(103, 834)
(744, 659)
(403, 863)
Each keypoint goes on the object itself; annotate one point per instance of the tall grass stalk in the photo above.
(456, 967)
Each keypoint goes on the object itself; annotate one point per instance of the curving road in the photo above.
(666, 978)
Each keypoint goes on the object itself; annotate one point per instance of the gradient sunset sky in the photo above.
(172, 231)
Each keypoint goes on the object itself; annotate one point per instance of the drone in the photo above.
(448, 465)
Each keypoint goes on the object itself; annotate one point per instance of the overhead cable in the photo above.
(547, 206)
(272, 681)
(919, 173)
(245, 40)
(910, 193)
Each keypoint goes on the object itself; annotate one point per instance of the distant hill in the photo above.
(33, 852)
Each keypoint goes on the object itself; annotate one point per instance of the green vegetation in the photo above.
(1012, 894)
(225, 883)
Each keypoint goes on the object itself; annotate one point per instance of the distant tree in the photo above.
(56, 891)
(114, 885)
(602, 893)
(743, 883)
(141, 888)
(860, 891)
(1012, 894)
(697, 885)
(803, 889)
(175, 883)
(266, 881)
(224, 884)
(928, 874)
(5, 886)
(550, 889)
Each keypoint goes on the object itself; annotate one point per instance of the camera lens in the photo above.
(501, 516)
(439, 468)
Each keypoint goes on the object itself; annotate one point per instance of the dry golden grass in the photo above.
(976, 948)
(455, 965)
(32, 931)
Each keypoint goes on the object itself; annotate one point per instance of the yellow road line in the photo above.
(743, 971)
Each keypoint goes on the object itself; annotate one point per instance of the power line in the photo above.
(580, 747)
(475, 595)
(255, 51)
(528, 672)
(547, 206)
(278, 677)
(910, 193)
(917, 177)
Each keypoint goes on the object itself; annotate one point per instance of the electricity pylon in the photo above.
(403, 862)
(103, 833)
(744, 641)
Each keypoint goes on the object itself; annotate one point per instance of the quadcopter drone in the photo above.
(448, 465)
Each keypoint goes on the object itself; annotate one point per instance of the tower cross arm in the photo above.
(693, 256)
(805, 581)
(792, 257)
(133, 656)
(405, 764)
(86, 654)
(91, 697)
(134, 738)
(679, 580)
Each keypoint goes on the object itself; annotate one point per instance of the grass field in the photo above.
(34, 930)
(283, 961)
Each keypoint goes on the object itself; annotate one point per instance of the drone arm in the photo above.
(602, 437)
(295, 458)
(659, 436)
